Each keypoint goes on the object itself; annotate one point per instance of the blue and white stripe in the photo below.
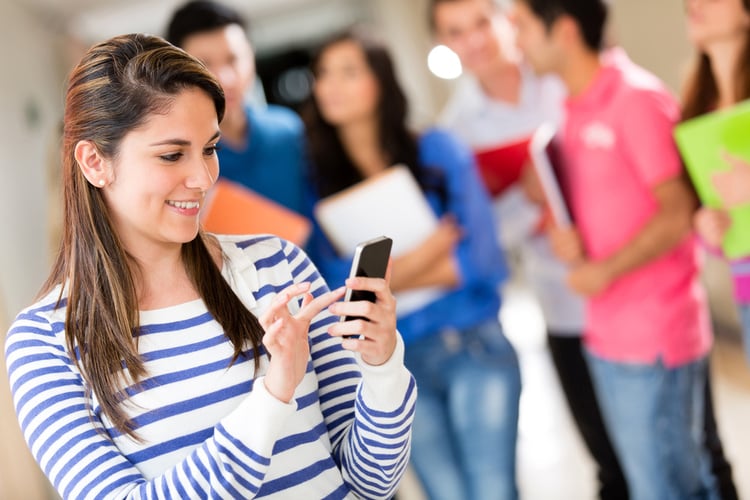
(207, 429)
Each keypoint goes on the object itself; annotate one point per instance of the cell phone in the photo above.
(370, 261)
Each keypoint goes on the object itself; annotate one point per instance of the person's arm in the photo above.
(76, 454)
(432, 263)
(645, 129)
(443, 272)
(478, 256)
(368, 410)
(666, 229)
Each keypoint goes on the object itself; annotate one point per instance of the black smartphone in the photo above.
(370, 261)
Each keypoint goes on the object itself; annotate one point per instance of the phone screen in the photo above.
(370, 261)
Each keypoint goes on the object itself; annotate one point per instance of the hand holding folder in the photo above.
(547, 164)
(715, 148)
(733, 184)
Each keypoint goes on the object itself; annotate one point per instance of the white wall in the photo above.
(653, 33)
(404, 27)
(30, 110)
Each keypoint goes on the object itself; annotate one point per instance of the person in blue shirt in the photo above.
(262, 147)
(465, 429)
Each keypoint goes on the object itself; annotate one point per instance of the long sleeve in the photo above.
(367, 410)
(481, 263)
(479, 256)
(208, 427)
(81, 461)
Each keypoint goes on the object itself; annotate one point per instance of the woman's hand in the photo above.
(712, 225)
(374, 330)
(733, 184)
(286, 337)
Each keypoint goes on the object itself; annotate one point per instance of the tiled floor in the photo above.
(552, 463)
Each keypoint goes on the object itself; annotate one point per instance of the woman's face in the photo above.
(716, 21)
(161, 173)
(346, 89)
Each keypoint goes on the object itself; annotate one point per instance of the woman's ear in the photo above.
(94, 166)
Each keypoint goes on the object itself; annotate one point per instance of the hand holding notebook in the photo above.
(733, 184)
(389, 203)
(716, 150)
(548, 166)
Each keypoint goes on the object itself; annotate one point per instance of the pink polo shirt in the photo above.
(617, 146)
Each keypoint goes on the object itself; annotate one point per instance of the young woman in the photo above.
(164, 362)
(720, 32)
(466, 422)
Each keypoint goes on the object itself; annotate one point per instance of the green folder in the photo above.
(701, 141)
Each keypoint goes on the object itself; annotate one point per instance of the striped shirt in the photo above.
(208, 429)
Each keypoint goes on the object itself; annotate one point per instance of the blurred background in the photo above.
(42, 40)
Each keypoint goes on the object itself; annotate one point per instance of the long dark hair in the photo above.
(332, 168)
(113, 90)
(701, 92)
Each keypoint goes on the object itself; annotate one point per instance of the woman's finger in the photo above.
(316, 305)
(379, 286)
(353, 327)
(279, 305)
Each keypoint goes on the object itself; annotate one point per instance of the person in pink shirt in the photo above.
(633, 254)
(496, 107)
(720, 33)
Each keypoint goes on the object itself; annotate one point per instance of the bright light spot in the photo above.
(444, 63)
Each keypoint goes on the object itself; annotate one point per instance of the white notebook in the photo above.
(390, 203)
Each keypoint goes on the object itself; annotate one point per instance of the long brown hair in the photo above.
(113, 90)
(332, 169)
(701, 93)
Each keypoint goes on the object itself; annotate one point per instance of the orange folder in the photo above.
(501, 166)
(234, 209)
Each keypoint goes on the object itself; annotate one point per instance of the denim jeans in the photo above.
(655, 418)
(744, 310)
(575, 380)
(466, 422)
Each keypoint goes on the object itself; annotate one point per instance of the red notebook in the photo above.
(501, 166)
(234, 209)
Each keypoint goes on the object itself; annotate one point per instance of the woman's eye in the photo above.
(211, 150)
(173, 157)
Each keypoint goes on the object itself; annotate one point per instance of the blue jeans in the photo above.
(466, 422)
(744, 310)
(654, 415)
